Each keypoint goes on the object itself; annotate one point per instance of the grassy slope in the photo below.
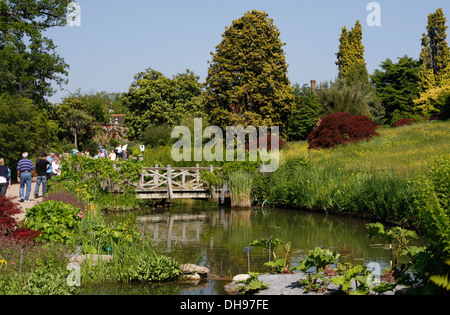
(406, 151)
(373, 178)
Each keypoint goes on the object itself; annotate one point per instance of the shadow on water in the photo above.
(203, 234)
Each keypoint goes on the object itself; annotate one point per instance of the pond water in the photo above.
(205, 234)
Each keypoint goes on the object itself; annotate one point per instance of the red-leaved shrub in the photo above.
(404, 122)
(281, 143)
(8, 225)
(7, 210)
(341, 128)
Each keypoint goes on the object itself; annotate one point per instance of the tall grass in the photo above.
(241, 184)
(331, 188)
(374, 178)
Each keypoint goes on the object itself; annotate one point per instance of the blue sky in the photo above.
(118, 39)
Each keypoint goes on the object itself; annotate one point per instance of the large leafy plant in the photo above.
(319, 259)
(398, 239)
(279, 263)
(55, 219)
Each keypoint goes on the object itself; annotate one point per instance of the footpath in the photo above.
(14, 193)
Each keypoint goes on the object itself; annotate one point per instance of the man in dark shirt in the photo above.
(41, 175)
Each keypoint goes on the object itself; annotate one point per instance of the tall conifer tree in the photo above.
(247, 81)
(351, 62)
(435, 55)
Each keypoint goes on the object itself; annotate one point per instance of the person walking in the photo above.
(5, 178)
(25, 174)
(41, 176)
(49, 167)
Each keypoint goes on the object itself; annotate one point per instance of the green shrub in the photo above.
(99, 174)
(140, 262)
(305, 116)
(156, 136)
(431, 196)
(431, 201)
(55, 219)
(42, 281)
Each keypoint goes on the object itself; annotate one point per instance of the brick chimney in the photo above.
(313, 85)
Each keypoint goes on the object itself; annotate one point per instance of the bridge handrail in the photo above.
(177, 168)
(167, 176)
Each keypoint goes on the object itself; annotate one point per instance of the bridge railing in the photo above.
(169, 178)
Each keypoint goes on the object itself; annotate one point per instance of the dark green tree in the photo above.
(24, 128)
(397, 85)
(78, 121)
(154, 99)
(99, 105)
(247, 82)
(305, 114)
(29, 63)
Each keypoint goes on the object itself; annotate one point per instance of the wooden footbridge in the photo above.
(177, 183)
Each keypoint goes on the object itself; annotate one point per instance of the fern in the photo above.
(441, 281)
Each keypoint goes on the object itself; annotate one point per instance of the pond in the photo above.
(204, 234)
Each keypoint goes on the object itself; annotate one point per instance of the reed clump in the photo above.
(241, 186)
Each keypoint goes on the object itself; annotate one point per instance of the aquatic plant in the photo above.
(241, 186)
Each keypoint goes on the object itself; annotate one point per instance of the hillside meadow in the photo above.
(405, 151)
(373, 178)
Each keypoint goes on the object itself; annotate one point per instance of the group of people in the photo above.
(119, 153)
(43, 170)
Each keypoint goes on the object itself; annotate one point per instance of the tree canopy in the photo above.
(352, 92)
(29, 63)
(434, 75)
(305, 115)
(247, 82)
(351, 62)
(397, 85)
(154, 99)
(435, 54)
(24, 128)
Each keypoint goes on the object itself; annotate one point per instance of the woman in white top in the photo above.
(56, 167)
(112, 156)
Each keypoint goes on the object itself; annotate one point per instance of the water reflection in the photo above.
(212, 237)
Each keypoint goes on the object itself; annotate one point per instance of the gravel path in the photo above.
(283, 284)
(289, 285)
(14, 193)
